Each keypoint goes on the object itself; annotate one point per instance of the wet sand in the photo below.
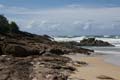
(95, 68)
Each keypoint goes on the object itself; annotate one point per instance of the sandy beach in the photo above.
(96, 67)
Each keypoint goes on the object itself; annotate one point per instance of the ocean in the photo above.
(111, 54)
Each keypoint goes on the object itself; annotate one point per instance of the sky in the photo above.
(64, 17)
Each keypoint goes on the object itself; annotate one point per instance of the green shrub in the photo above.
(13, 27)
(5, 27)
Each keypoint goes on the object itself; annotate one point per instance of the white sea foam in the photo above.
(113, 41)
(77, 39)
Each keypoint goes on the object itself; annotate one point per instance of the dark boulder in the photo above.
(1, 47)
(70, 44)
(20, 50)
(48, 37)
(94, 42)
(103, 77)
(57, 51)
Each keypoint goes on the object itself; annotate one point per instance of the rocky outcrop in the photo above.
(35, 68)
(20, 50)
(94, 42)
(74, 47)
(29, 46)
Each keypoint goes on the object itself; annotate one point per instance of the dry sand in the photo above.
(96, 67)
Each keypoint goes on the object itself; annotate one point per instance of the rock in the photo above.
(12, 68)
(75, 79)
(48, 37)
(56, 51)
(56, 76)
(35, 67)
(51, 68)
(105, 77)
(0, 49)
(74, 47)
(20, 50)
(70, 44)
(94, 42)
(49, 54)
(2, 38)
(79, 63)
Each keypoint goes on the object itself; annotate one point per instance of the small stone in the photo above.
(105, 77)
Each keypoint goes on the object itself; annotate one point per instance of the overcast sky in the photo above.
(64, 17)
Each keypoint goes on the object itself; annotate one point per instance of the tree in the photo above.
(4, 25)
(13, 27)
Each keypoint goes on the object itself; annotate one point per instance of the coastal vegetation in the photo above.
(6, 27)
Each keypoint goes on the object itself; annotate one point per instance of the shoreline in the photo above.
(96, 67)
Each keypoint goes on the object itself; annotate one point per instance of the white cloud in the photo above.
(1, 6)
(55, 26)
(68, 20)
(43, 22)
(74, 6)
(30, 24)
(76, 22)
(87, 26)
(12, 9)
